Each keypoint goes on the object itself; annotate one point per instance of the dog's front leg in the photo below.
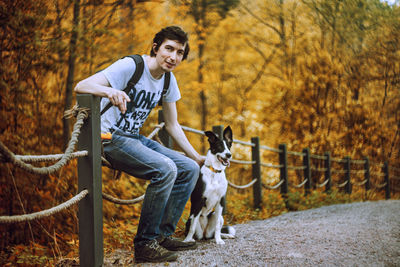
(193, 226)
(219, 223)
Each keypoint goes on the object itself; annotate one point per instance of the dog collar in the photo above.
(213, 170)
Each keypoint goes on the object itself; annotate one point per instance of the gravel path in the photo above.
(357, 234)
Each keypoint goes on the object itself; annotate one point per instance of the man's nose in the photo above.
(173, 55)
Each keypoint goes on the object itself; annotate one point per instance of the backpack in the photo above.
(136, 77)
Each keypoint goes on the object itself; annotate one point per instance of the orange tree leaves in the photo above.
(318, 74)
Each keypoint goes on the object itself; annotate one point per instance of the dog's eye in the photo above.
(218, 147)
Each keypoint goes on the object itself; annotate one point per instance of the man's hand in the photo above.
(118, 98)
(97, 84)
(200, 160)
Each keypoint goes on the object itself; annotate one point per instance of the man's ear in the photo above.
(154, 48)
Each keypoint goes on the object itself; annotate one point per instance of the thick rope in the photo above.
(54, 157)
(271, 149)
(319, 169)
(122, 201)
(271, 165)
(379, 186)
(342, 184)
(360, 183)
(10, 157)
(156, 130)
(299, 185)
(44, 213)
(297, 167)
(323, 184)
(339, 160)
(318, 157)
(296, 153)
(274, 186)
(244, 162)
(357, 161)
(242, 186)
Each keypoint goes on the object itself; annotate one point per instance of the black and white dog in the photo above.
(205, 220)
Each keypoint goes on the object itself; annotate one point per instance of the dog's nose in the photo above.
(228, 155)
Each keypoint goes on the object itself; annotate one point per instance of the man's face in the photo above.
(169, 54)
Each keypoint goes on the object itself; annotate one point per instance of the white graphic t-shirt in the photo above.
(144, 96)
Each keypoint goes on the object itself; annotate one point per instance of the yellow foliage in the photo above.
(271, 69)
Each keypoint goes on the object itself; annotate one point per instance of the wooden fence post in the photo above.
(387, 180)
(307, 170)
(328, 176)
(283, 169)
(165, 138)
(256, 171)
(347, 168)
(89, 177)
(367, 174)
(219, 130)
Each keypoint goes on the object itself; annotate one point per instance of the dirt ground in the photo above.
(356, 234)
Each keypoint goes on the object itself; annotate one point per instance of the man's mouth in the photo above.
(170, 65)
(224, 161)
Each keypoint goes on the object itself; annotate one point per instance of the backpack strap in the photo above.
(167, 79)
(134, 79)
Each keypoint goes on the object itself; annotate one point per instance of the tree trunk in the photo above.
(71, 69)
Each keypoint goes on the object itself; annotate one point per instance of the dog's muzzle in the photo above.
(225, 160)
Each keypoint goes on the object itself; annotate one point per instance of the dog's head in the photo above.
(220, 148)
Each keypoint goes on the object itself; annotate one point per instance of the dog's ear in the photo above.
(228, 136)
(212, 137)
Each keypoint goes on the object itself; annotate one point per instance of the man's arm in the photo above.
(175, 131)
(98, 84)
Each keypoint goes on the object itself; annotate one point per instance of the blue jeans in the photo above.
(172, 178)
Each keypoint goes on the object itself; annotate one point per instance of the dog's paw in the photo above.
(188, 240)
(220, 242)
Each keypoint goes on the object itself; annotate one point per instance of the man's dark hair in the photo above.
(173, 33)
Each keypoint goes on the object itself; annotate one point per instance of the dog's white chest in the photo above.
(215, 188)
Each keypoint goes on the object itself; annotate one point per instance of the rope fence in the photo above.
(324, 183)
(299, 185)
(81, 114)
(273, 187)
(242, 186)
(21, 161)
(89, 173)
(122, 201)
(308, 168)
(8, 156)
(44, 213)
(47, 158)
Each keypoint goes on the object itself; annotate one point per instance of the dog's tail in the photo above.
(228, 231)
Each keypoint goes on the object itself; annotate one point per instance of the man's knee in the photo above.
(193, 168)
(167, 170)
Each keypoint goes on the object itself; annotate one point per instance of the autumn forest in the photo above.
(321, 74)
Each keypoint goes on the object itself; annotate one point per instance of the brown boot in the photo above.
(152, 252)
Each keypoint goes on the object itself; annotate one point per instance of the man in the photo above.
(172, 175)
